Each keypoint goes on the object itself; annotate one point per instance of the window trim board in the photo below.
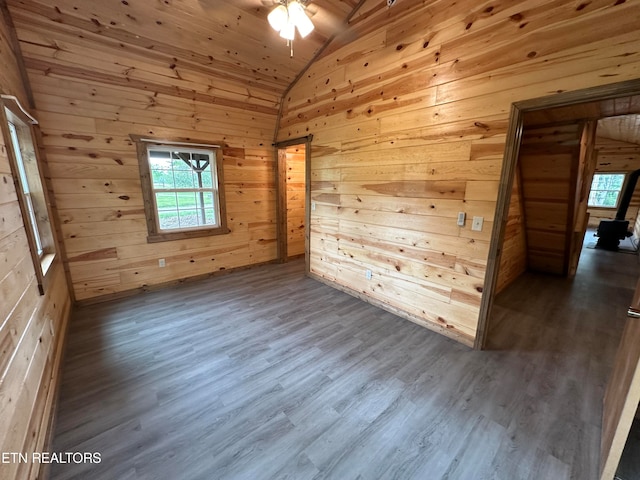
(154, 234)
(11, 110)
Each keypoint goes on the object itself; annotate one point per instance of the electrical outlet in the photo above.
(461, 218)
(162, 263)
(367, 274)
(477, 224)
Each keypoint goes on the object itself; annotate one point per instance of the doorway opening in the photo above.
(293, 194)
(557, 217)
(551, 158)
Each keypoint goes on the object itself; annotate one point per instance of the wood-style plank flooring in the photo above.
(267, 374)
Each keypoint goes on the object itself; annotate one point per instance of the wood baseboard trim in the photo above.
(465, 340)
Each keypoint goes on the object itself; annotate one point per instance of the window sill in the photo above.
(186, 234)
(46, 261)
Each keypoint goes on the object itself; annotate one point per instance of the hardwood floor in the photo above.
(266, 374)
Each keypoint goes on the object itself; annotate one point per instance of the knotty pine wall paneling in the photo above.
(32, 326)
(92, 89)
(295, 171)
(513, 261)
(409, 112)
(615, 156)
(547, 162)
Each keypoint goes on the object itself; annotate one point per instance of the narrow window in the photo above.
(183, 190)
(23, 158)
(605, 190)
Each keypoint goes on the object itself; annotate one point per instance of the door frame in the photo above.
(511, 152)
(281, 196)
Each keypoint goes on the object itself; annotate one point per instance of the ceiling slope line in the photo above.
(17, 51)
(308, 65)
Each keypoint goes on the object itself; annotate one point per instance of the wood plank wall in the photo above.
(409, 114)
(91, 92)
(616, 156)
(513, 261)
(547, 163)
(31, 326)
(295, 165)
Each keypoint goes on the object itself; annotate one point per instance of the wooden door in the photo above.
(623, 393)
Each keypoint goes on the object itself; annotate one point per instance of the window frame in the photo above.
(41, 237)
(624, 183)
(154, 232)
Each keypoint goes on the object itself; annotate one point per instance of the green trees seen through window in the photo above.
(605, 190)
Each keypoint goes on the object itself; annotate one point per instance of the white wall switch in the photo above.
(161, 263)
(368, 274)
(313, 205)
(477, 224)
(461, 218)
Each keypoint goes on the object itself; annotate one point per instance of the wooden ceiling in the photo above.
(583, 111)
(625, 128)
(227, 39)
(618, 118)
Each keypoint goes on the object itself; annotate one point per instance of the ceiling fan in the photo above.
(287, 16)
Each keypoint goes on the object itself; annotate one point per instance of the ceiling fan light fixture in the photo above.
(278, 18)
(288, 16)
(300, 19)
(288, 31)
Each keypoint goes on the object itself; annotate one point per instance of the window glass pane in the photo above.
(605, 190)
(210, 215)
(179, 164)
(34, 223)
(184, 179)
(28, 172)
(166, 201)
(161, 171)
(208, 199)
(19, 159)
(168, 219)
(184, 186)
(207, 181)
(31, 190)
(186, 200)
(162, 178)
(188, 218)
(158, 155)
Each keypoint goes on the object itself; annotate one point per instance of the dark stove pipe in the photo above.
(627, 194)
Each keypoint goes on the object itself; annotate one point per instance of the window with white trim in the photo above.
(18, 136)
(26, 189)
(605, 190)
(183, 190)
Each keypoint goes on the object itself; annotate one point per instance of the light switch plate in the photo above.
(461, 218)
(477, 224)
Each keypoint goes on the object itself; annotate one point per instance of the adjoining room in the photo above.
(319, 239)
